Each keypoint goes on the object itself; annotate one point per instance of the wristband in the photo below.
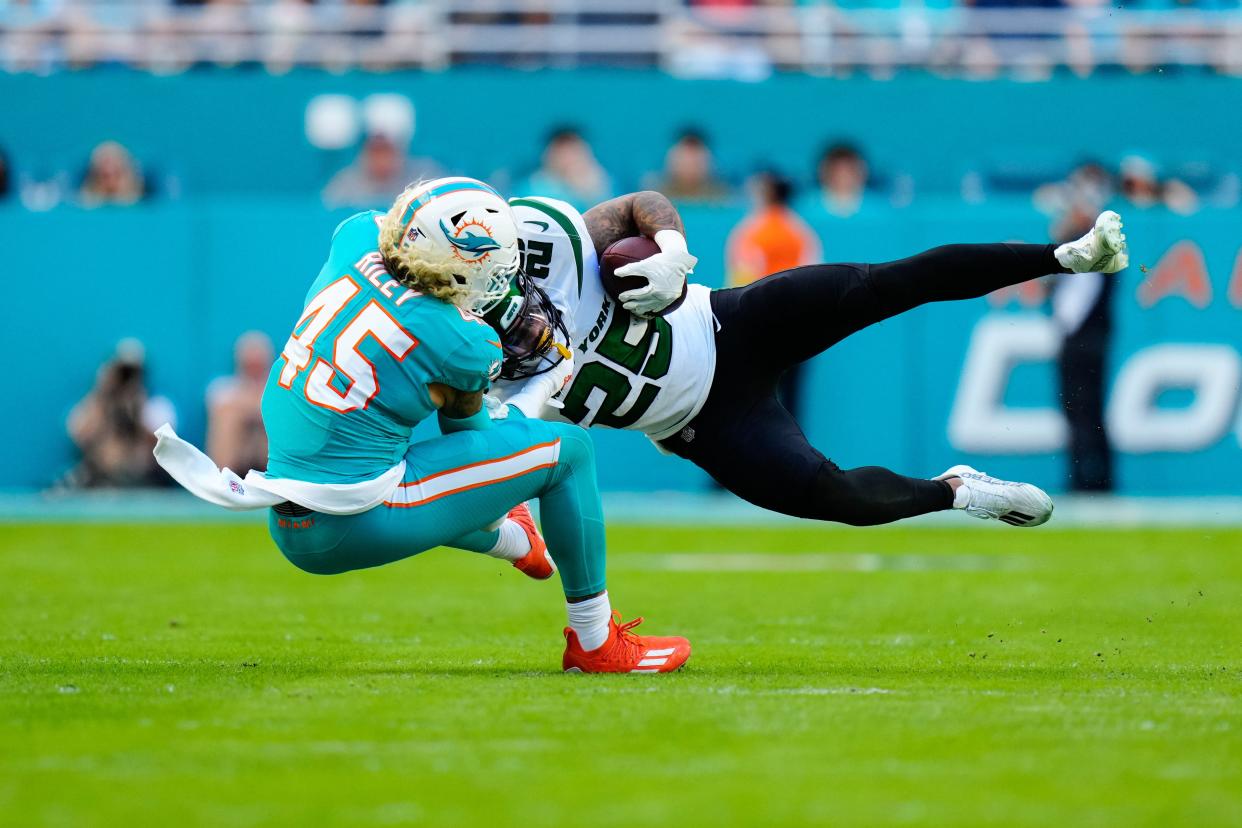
(670, 241)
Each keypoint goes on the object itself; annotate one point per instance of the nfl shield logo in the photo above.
(237, 487)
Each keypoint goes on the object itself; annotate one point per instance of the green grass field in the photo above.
(188, 675)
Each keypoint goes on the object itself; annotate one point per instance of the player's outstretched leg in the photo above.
(763, 456)
(789, 317)
(990, 498)
(967, 271)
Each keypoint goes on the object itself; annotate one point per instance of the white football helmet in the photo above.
(462, 228)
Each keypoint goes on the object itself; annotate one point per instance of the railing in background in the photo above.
(698, 42)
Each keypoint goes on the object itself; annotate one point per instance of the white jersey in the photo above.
(649, 375)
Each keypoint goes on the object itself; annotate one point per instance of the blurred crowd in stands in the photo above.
(840, 183)
(109, 176)
(703, 38)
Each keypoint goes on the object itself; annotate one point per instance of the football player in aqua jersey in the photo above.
(387, 339)
(699, 377)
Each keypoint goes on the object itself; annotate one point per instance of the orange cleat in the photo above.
(536, 563)
(626, 652)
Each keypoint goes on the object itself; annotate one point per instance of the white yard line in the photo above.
(651, 508)
(810, 562)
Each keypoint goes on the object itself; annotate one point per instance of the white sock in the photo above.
(961, 497)
(589, 619)
(512, 544)
(1063, 256)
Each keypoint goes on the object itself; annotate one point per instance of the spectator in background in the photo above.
(1142, 188)
(1082, 311)
(112, 425)
(1089, 184)
(569, 171)
(235, 435)
(381, 170)
(689, 174)
(111, 177)
(842, 181)
(769, 239)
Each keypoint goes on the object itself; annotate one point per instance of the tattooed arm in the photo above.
(637, 214)
(645, 214)
(454, 404)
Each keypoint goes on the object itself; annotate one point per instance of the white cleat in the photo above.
(1102, 250)
(989, 498)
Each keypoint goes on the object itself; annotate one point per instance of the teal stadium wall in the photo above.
(247, 233)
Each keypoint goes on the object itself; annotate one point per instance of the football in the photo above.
(623, 252)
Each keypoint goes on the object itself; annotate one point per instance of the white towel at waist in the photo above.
(200, 476)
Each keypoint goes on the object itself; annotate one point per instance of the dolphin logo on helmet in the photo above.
(473, 244)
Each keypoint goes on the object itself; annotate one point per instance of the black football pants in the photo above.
(752, 446)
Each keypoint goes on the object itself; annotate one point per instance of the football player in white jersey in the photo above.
(699, 376)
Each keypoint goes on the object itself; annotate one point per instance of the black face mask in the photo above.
(532, 331)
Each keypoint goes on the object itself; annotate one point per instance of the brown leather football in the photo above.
(623, 252)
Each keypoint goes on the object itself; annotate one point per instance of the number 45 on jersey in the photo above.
(356, 371)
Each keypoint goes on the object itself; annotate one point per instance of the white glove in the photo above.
(539, 390)
(497, 409)
(665, 273)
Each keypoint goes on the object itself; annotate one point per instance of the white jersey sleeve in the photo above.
(649, 375)
(557, 251)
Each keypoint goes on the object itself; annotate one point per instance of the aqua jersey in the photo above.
(351, 382)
